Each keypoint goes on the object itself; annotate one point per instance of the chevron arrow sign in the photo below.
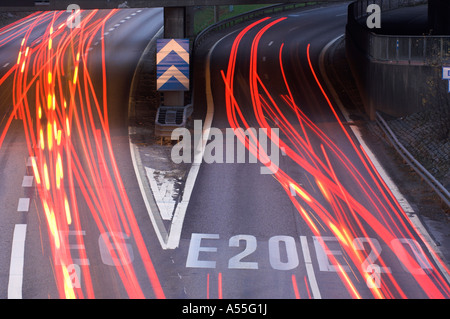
(172, 64)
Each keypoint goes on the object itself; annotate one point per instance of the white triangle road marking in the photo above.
(163, 195)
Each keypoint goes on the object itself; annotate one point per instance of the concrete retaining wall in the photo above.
(393, 75)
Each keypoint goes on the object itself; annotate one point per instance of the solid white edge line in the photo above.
(403, 202)
(157, 223)
(309, 268)
(180, 211)
(17, 262)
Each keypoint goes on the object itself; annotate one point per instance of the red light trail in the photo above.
(65, 120)
(67, 133)
(349, 210)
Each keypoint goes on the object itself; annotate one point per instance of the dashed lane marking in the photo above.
(17, 262)
(24, 205)
(27, 181)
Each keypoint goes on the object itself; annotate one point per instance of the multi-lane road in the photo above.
(68, 190)
(318, 221)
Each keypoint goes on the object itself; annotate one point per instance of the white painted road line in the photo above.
(17, 262)
(178, 218)
(27, 181)
(398, 195)
(24, 205)
(402, 201)
(30, 161)
(309, 268)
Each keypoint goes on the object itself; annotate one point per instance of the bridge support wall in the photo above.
(397, 75)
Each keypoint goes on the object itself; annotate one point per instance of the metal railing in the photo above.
(430, 50)
(440, 190)
(251, 15)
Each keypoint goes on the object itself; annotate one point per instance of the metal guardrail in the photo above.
(251, 15)
(440, 190)
(424, 49)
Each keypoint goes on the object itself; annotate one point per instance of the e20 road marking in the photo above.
(283, 255)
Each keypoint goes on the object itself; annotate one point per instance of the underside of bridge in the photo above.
(110, 4)
(438, 10)
(438, 16)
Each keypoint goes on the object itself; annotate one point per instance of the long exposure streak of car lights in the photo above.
(336, 211)
(54, 96)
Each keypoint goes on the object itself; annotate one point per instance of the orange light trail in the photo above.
(69, 143)
(351, 200)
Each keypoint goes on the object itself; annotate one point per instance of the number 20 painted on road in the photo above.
(285, 246)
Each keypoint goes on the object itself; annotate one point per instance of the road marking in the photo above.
(17, 262)
(27, 181)
(5, 65)
(30, 161)
(309, 268)
(24, 205)
(398, 195)
(292, 189)
(178, 219)
(78, 246)
(403, 202)
(164, 195)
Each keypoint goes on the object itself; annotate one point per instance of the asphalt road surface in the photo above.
(323, 225)
(60, 216)
(316, 222)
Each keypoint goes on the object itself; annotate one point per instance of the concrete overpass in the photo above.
(438, 10)
(35, 5)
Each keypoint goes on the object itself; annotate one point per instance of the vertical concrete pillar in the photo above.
(174, 22)
(438, 16)
(189, 25)
(174, 28)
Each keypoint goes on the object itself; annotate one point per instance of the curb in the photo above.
(144, 184)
